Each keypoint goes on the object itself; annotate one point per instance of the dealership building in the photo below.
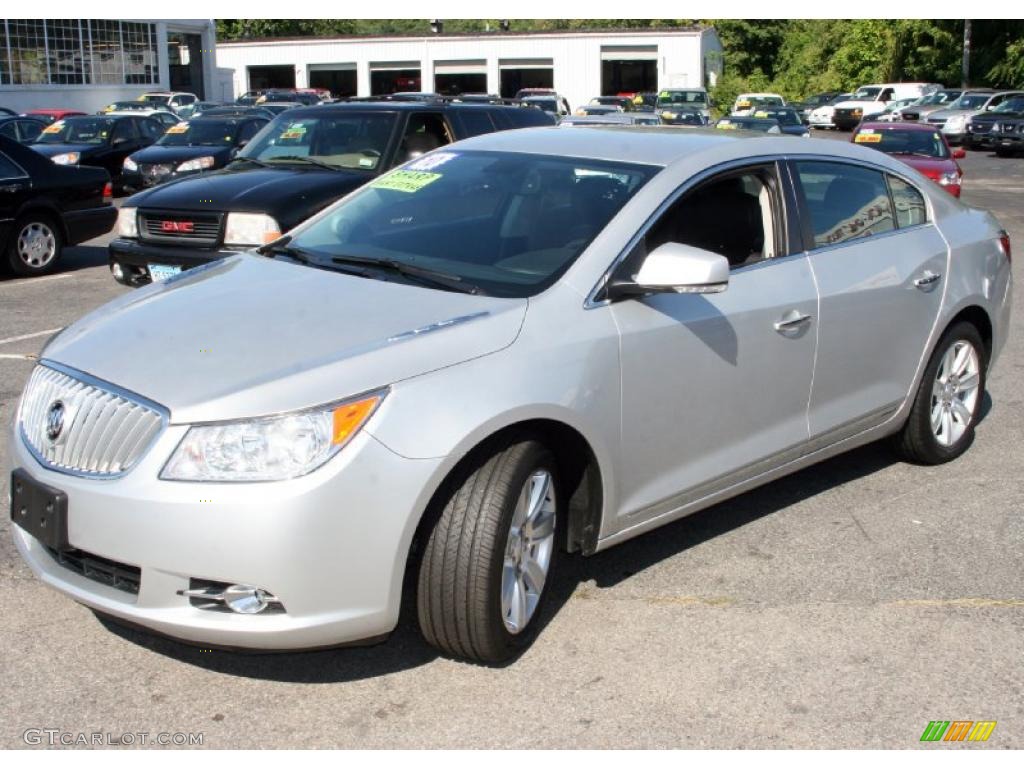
(85, 64)
(579, 65)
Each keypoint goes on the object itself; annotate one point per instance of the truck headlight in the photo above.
(955, 124)
(67, 158)
(130, 165)
(196, 164)
(250, 229)
(127, 224)
(274, 448)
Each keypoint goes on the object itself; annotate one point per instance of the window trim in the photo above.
(597, 297)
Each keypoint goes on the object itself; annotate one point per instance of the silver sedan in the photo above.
(523, 345)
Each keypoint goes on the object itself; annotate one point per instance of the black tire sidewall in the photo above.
(14, 262)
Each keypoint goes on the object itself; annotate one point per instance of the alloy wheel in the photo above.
(37, 245)
(528, 551)
(955, 392)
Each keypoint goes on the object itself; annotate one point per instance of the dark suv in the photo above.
(297, 165)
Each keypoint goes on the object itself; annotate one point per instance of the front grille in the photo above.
(117, 575)
(979, 127)
(180, 228)
(1010, 127)
(937, 121)
(155, 172)
(103, 432)
(910, 115)
(847, 114)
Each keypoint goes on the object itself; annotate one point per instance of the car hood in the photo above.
(862, 104)
(52, 150)
(155, 154)
(248, 336)
(794, 130)
(948, 113)
(289, 193)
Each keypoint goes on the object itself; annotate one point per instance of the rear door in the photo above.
(15, 186)
(880, 266)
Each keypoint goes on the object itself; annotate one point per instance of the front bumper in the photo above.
(135, 257)
(332, 545)
(1007, 143)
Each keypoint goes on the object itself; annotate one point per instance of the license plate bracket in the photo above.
(40, 510)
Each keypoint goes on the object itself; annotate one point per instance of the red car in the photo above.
(919, 145)
(51, 116)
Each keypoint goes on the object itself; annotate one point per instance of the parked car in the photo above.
(598, 109)
(181, 103)
(304, 160)
(163, 117)
(678, 116)
(103, 141)
(870, 100)
(277, 107)
(893, 111)
(811, 103)
(978, 132)
(23, 130)
(788, 119)
(249, 98)
(1008, 136)
(821, 117)
(759, 124)
(673, 101)
(382, 390)
(747, 103)
(205, 106)
(45, 207)
(50, 116)
(308, 98)
(198, 146)
(920, 146)
(623, 103)
(952, 120)
(554, 105)
(237, 110)
(522, 93)
(929, 103)
(616, 118)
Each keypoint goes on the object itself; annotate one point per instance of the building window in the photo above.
(72, 52)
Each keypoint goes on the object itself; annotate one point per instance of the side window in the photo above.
(151, 129)
(885, 95)
(474, 122)
(124, 129)
(29, 130)
(909, 203)
(425, 131)
(733, 215)
(8, 170)
(249, 130)
(10, 130)
(845, 202)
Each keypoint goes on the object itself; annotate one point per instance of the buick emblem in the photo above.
(54, 420)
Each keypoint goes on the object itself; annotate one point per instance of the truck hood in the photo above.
(248, 336)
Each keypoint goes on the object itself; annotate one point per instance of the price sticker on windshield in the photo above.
(293, 131)
(867, 138)
(178, 128)
(405, 181)
(431, 161)
(55, 128)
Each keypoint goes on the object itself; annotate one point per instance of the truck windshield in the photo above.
(866, 94)
(677, 98)
(507, 224)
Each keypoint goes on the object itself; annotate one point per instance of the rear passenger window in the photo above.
(909, 203)
(845, 202)
(475, 122)
(8, 170)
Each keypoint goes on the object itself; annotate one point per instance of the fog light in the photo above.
(117, 270)
(245, 599)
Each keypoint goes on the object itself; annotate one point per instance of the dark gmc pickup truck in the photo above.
(297, 165)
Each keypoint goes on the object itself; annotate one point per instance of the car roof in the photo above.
(390, 106)
(921, 127)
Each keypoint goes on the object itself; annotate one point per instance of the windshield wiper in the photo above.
(430, 276)
(281, 248)
(253, 160)
(307, 159)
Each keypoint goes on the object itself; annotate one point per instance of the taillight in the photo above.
(1004, 243)
(108, 192)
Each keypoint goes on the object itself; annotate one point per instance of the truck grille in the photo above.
(937, 121)
(180, 228)
(909, 114)
(973, 127)
(117, 575)
(102, 432)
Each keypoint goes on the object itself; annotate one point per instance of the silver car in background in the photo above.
(521, 345)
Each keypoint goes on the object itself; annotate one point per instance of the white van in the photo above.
(870, 100)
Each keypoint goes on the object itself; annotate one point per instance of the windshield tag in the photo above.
(55, 128)
(405, 181)
(178, 128)
(432, 161)
(867, 138)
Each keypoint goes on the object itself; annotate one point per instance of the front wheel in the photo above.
(490, 556)
(948, 401)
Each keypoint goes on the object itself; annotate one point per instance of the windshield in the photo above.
(971, 101)
(866, 94)
(747, 124)
(77, 130)
(939, 97)
(674, 98)
(895, 142)
(507, 223)
(208, 132)
(782, 116)
(548, 105)
(155, 98)
(350, 140)
(841, 98)
(1013, 105)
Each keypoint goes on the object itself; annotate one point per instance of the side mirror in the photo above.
(676, 268)
(959, 153)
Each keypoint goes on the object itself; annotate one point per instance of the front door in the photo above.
(715, 386)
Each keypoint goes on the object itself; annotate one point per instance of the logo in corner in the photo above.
(958, 730)
(55, 420)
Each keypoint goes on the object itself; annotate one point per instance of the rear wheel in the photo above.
(36, 245)
(490, 556)
(945, 411)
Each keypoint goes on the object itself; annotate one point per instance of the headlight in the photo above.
(805, 135)
(276, 448)
(947, 179)
(68, 158)
(196, 164)
(127, 225)
(130, 165)
(955, 123)
(250, 229)
(669, 115)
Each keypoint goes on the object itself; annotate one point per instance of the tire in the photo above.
(472, 553)
(35, 245)
(1003, 153)
(921, 442)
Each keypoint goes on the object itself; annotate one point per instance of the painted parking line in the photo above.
(34, 280)
(24, 336)
(19, 357)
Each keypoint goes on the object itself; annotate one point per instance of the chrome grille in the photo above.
(105, 432)
(205, 227)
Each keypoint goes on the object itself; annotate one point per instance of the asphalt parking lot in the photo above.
(846, 606)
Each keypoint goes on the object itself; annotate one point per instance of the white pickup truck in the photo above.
(870, 100)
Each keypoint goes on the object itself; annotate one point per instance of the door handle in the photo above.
(927, 280)
(791, 321)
